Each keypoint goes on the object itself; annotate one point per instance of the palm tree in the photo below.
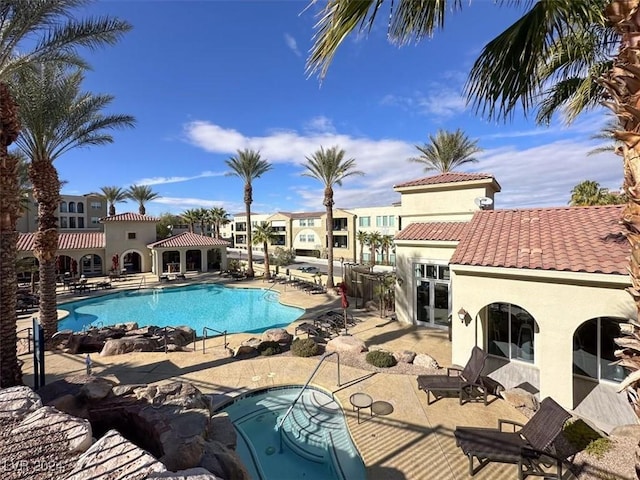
(363, 238)
(386, 242)
(248, 165)
(447, 151)
(32, 33)
(190, 217)
(141, 194)
(330, 167)
(587, 192)
(204, 218)
(56, 117)
(374, 240)
(113, 195)
(219, 217)
(264, 235)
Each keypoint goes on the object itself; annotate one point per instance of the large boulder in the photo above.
(426, 361)
(279, 335)
(404, 356)
(130, 344)
(223, 462)
(76, 431)
(519, 397)
(223, 431)
(346, 343)
(16, 402)
(113, 456)
(181, 394)
(96, 388)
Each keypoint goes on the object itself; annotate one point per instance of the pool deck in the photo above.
(414, 441)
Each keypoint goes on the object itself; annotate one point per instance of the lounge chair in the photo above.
(466, 381)
(531, 448)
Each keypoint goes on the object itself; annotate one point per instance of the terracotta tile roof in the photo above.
(449, 177)
(66, 241)
(129, 217)
(438, 231)
(574, 239)
(296, 215)
(188, 239)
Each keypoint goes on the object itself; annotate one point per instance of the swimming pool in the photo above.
(214, 306)
(316, 444)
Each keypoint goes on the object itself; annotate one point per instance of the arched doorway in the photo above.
(510, 332)
(194, 260)
(131, 262)
(63, 265)
(91, 264)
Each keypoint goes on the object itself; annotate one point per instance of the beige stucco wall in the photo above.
(117, 242)
(559, 302)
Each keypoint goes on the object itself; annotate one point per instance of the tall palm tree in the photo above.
(264, 235)
(331, 168)
(219, 217)
(362, 238)
(374, 241)
(190, 217)
(56, 117)
(386, 243)
(587, 192)
(141, 194)
(248, 165)
(204, 218)
(447, 151)
(32, 33)
(113, 195)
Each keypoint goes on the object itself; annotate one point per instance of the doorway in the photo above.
(432, 295)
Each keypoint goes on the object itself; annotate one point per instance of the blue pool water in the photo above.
(215, 306)
(316, 444)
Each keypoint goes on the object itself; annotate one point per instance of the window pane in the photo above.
(585, 349)
(72, 222)
(443, 273)
(63, 207)
(522, 334)
(80, 222)
(423, 301)
(441, 304)
(610, 329)
(498, 329)
(420, 270)
(392, 221)
(80, 207)
(431, 271)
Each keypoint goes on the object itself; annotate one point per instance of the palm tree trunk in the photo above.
(361, 253)
(46, 191)
(112, 210)
(328, 201)
(142, 210)
(267, 271)
(248, 199)
(10, 373)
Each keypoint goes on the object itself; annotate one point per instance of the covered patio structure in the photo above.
(188, 252)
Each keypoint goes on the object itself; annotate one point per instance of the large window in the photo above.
(302, 222)
(72, 222)
(80, 207)
(63, 207)
(72, 207)
(364, 221)
(63, 222)
(593, 349)
(96, 205)
(385, 221)
(510, 332)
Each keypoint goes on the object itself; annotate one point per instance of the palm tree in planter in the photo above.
(248, 165)
(219, 217)
(374, 241)
(56, 117)
(32, 33)
(141, 194)
(264, 235)
(113, 195)
(447, 151)
(362, 238)
(331, 168)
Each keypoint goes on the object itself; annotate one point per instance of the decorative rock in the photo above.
(427, 361)
(252, 342)
(627, 431)
(404, 356)
(244, 350)
(181, 394)
(113, 456)
(518, 397)
(181, 453)
(69, 404)
(198, 473)
(128, 344)
(96, 389)
(120, 390)
(77, 431)
(346, 343)
(223, 462)
(223, 430)
(16, 402)
(279, 335)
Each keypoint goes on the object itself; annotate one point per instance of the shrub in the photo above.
(583, 437)
(304, 347)
(380, 359)
(269, 348)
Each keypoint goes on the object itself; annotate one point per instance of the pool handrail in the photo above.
(293, 404)
(28, 338)
(204, 336)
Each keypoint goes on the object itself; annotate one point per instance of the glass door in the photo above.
(441, 304)
(423, 302)
(432, 295)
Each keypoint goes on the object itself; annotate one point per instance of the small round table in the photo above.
(361, 400)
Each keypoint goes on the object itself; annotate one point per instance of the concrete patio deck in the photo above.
(415, 441)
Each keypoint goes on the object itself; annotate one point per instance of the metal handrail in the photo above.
(29, 337)
(293, 404)
(143, 281)
(204, 336)
(165, 330)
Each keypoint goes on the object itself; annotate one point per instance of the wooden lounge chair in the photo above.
(466, 381)
(531, 448)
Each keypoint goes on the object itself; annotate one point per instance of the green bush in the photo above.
(304, 347)
(269, 348)
(583, 437)
(380, 359)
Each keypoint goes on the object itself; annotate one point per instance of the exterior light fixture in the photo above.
(462, 314)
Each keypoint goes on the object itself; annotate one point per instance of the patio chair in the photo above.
(466, 381)
(531, 448)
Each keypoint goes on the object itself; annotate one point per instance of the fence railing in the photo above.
(219, 334)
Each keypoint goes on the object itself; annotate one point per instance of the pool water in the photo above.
(214, 306)
(313, 444)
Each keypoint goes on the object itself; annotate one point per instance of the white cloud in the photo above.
(292, 44)
(320, 124)
(176, 179)
(440, 103)
(542, 175)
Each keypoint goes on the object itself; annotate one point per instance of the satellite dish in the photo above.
(483, 202)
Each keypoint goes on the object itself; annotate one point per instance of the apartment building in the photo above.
(76, 213)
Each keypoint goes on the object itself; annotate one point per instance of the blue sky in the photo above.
(206, 78)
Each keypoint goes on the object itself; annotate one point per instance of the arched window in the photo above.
(593, 349)
(63, 207)
(80, 207)
(72, 207)
(510, 332)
